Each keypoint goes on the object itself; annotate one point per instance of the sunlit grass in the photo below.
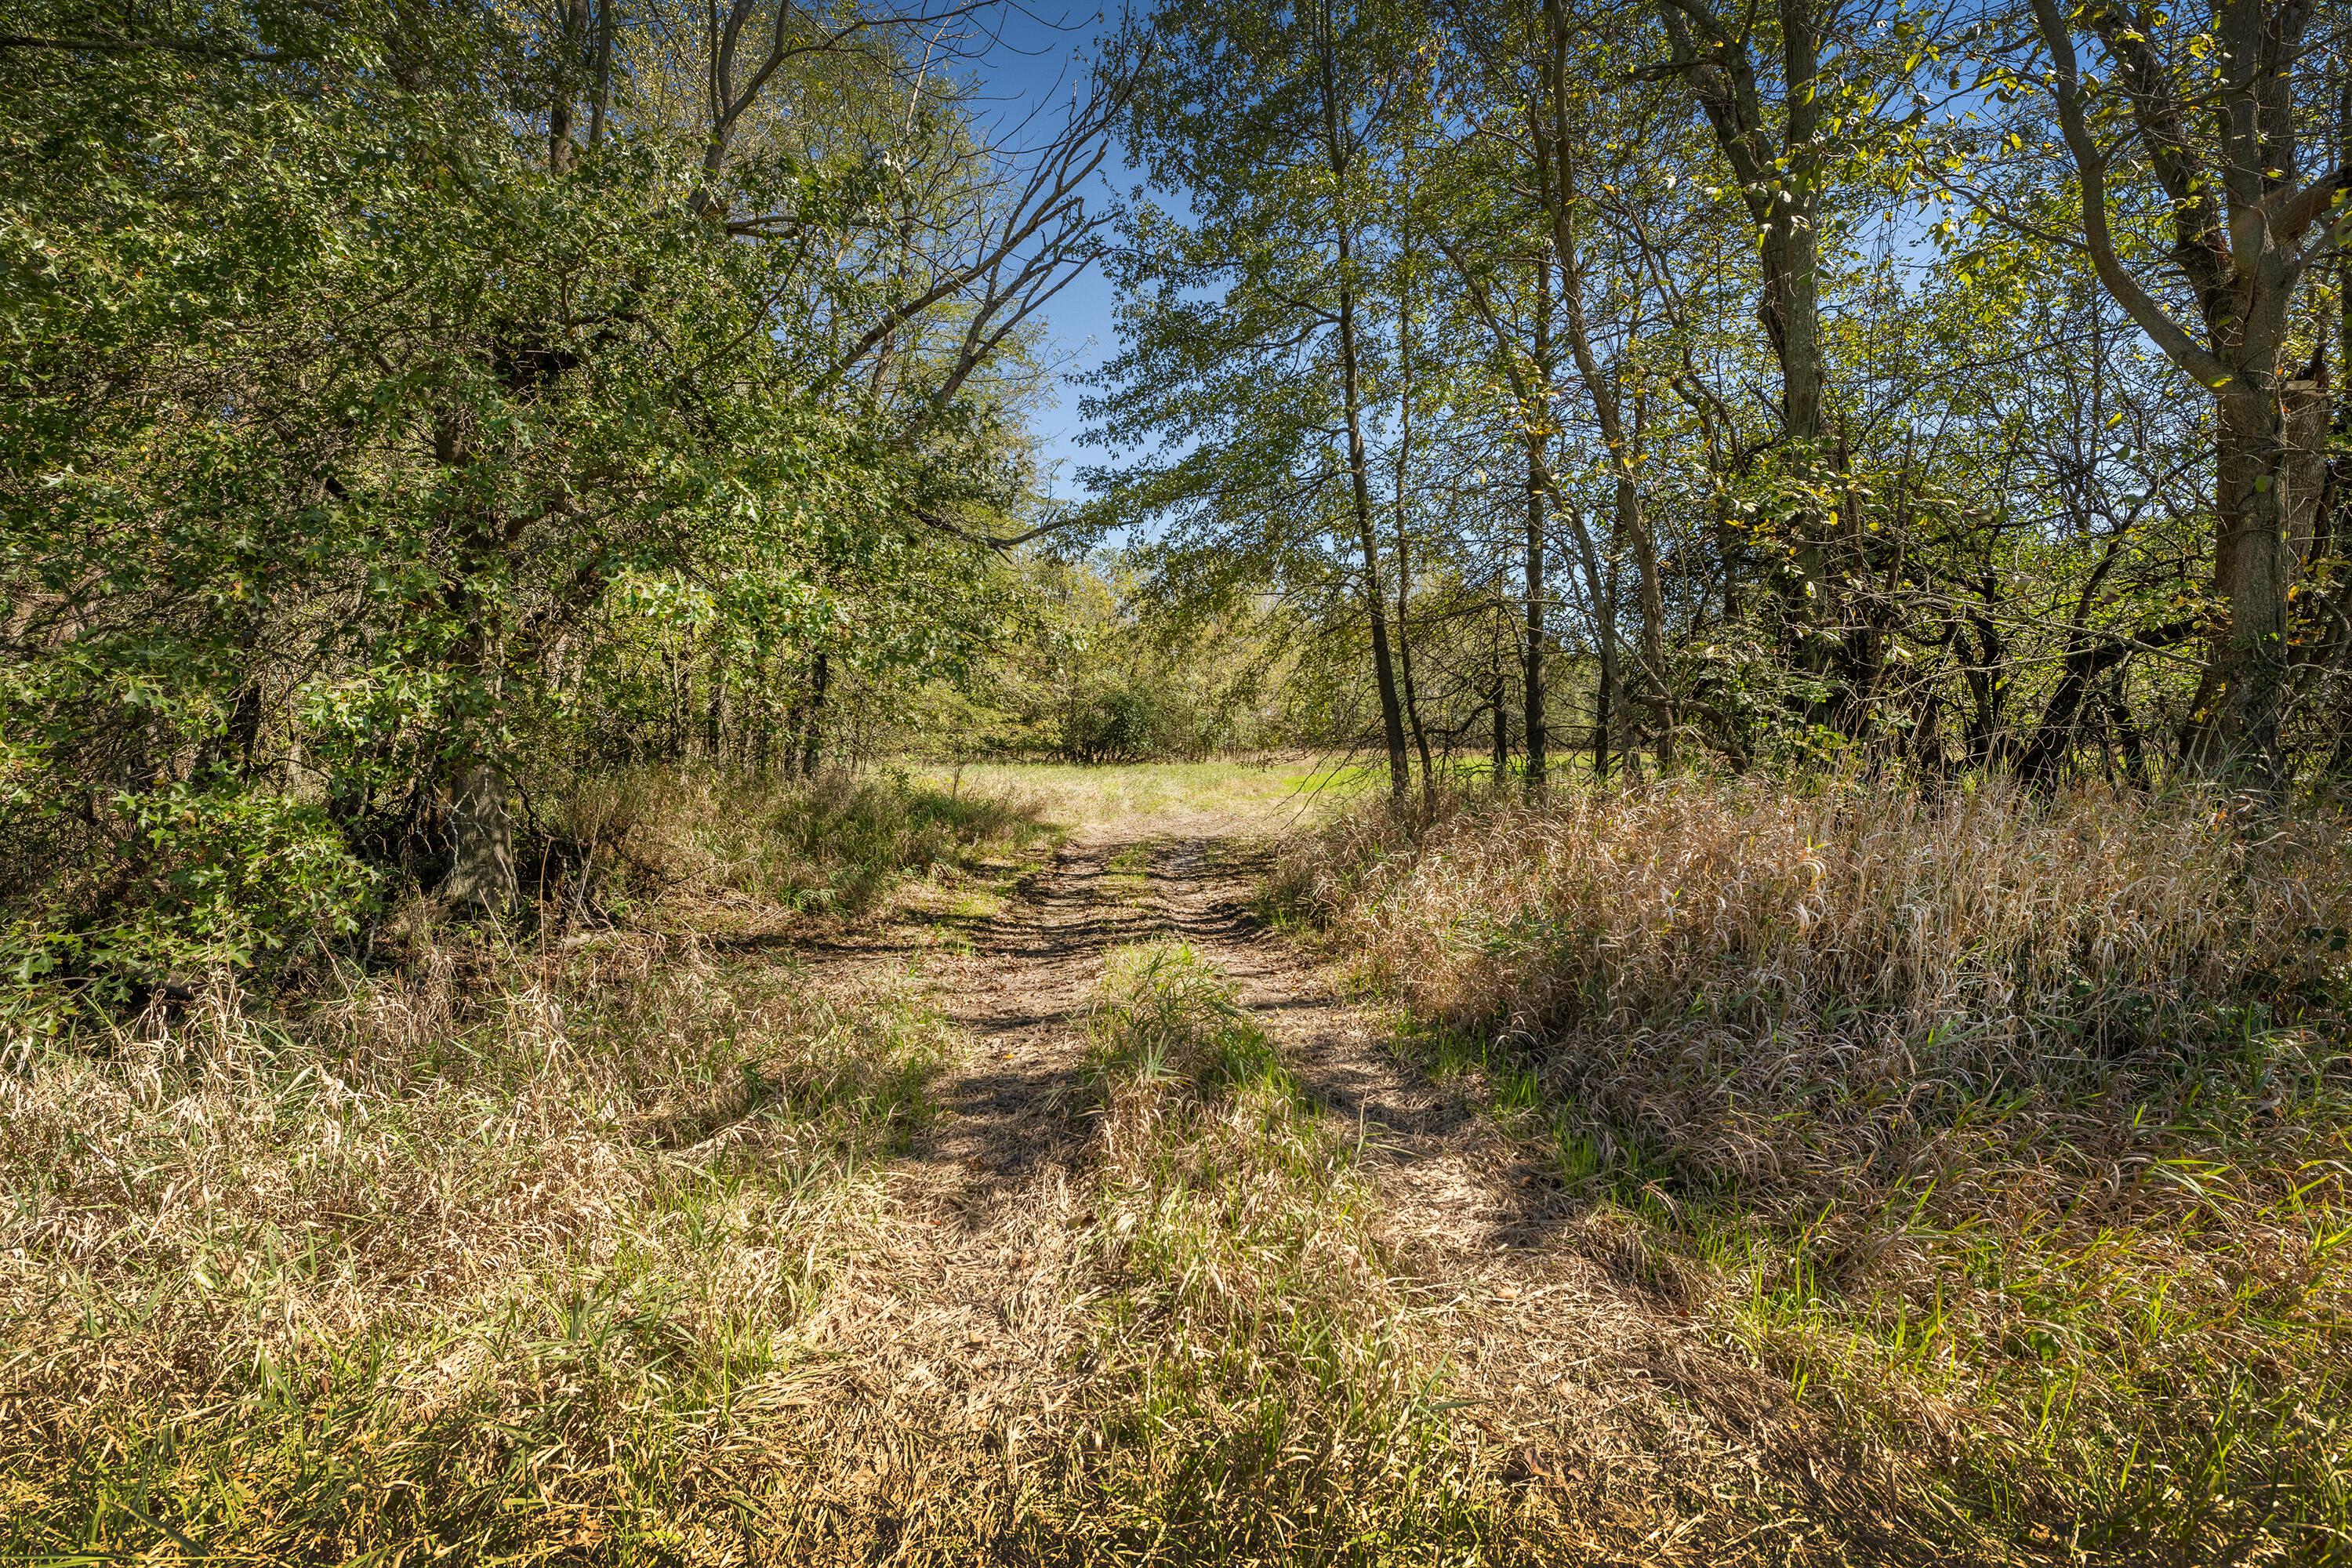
(1269, 795)
(2014, 1135)
(836, 845)
(1263, 1397)
(488, 1257)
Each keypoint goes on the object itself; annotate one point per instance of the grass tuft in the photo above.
(1262, 1397)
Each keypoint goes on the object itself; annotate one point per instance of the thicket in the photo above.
(408, 413)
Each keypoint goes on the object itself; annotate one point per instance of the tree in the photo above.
(1270, 124)
(376, 447)
(2201, 125)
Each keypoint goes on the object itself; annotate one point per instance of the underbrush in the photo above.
(2016, 1133)
(1260, 1398)
(835, 843)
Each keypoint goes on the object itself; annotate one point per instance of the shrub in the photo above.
(1131, 719)
(200, 878)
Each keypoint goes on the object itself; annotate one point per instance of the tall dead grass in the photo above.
(501, 1249)
(489, 1268)
(2018, 1131)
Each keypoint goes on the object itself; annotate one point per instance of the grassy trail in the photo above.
(900, 1180)
(1572, 1401)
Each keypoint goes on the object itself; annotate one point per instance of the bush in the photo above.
(1134, 720)
(200, 878)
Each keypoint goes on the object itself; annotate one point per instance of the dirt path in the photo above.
(1573, 1358)
(1023, 994)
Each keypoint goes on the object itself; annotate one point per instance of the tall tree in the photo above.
(2204, 122)
(1253, 357)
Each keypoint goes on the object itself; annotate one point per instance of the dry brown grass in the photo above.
(498, 1249)
(487, 1266)
(605, 1247)
(2014, 1133)
(1869, 1227)
(1265, 1393)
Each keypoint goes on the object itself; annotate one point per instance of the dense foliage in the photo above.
(406, 408)
(1962, 386)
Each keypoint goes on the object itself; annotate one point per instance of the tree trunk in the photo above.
(1653, 621)
(2127, 729)
(1359, 461)
(2252, 568)
(813, 733)
(1404, 674)
(1531, 695)
(2242, 220)
(1634, 526)
(1501, 735)
(481, 862)
(1780, 179)
(601, 98)
(1791, 316)
(714, 713)
(560, 148)
(1987, 678)
(1403, 517)
(1555, 178)
(1607, 687)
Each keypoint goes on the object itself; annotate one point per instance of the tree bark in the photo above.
(2248, 657)
(714, 713)
(1611, 685)
(812, 737)
(1359, 461)
(1553, 135)
(1780, 180)
(1404, 520)
(1531, 653)
(560, 147)
(481, 862)
(482, 865)
(1501, 732)
(601, 99)
(1404, 671)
